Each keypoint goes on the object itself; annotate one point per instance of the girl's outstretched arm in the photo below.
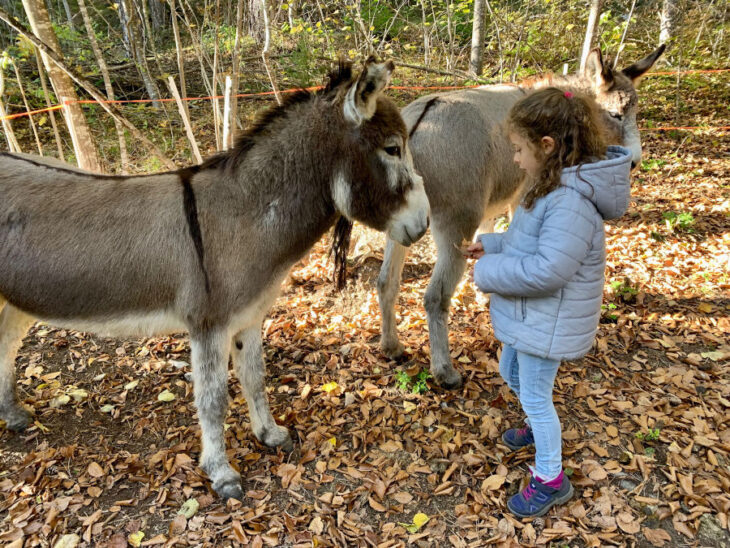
(564, 241)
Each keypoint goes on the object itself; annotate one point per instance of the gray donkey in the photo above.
(203, 249)
(462, 152)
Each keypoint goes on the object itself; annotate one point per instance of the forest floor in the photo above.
(111, 457)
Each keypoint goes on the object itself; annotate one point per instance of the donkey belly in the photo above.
(140, 324)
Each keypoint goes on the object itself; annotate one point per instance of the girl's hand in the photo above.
(472, 251)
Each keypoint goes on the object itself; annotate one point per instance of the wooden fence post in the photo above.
(227, 130)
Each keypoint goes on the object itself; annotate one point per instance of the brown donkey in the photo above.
(203, 249)
(465, 158)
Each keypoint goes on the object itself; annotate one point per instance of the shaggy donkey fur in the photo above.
(462, 152)
(203, 249)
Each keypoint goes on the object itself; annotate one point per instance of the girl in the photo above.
(546, 272)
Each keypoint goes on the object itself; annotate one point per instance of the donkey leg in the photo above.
(388, 285)
(209, 356)
(446, 275)
(248, 361)
(14, 325)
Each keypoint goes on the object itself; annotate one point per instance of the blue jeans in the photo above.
(532, 378)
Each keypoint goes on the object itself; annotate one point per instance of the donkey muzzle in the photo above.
(411, 221)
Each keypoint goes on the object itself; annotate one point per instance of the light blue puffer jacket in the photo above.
(546, 273)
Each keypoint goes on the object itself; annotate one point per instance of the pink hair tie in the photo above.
(568, 94)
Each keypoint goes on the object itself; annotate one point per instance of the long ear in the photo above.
(596, 70)
(636, 70)
(362, 97)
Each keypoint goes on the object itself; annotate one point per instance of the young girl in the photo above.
(546, 273)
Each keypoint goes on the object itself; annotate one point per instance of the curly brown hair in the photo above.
(572, 120)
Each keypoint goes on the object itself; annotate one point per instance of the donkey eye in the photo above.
(616, 116)
(393, 150)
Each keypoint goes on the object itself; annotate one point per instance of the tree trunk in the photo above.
(158, 14)
(107, 83)
(214, 95)
(254, 21)
(180, 58)
(667, 20)
(70, 18)
(426, 35)
(265, 51)
(132, 34)
(477, 38)
(27, 108)
(51, 114)
(13, 145)
(86, 155)
(591, 31)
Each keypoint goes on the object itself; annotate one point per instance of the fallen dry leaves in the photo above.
(111, 459)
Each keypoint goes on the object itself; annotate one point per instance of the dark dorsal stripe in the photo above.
(429, 104)
(191, 216)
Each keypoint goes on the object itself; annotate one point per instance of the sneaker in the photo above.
(538, 497)
(517, 438)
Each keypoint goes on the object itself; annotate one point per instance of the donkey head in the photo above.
(375, 181)
(615, 92)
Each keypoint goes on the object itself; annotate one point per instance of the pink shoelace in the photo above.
(528, 491)
(523, 431)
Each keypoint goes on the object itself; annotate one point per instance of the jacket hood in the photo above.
(606, 183)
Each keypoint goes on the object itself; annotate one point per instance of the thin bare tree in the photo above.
(591, 31)
(180, 58)
(27, 107)
(107, 82)
(134, 43)
(426, 34)
(235, 72)
(477, 38)
(667, 21)
(69, 16)
(47, 96)
(265, 52)
(13, 145)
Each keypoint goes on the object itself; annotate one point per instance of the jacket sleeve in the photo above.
(491, 242)
(563, 243)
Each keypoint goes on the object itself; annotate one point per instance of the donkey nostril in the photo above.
(633, 164)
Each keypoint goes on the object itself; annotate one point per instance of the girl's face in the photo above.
(529, 155)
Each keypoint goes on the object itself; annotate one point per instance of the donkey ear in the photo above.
(596, 70)
(636, 70)
(361, 99)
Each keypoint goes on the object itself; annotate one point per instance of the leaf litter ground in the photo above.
(111, 458)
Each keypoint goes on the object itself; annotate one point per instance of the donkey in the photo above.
(205, 248)
(460, 149)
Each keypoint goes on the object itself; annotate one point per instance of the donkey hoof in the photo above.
(449, 379)
(277, 437)
(393, 349)
(17, 419)
(228, 489)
